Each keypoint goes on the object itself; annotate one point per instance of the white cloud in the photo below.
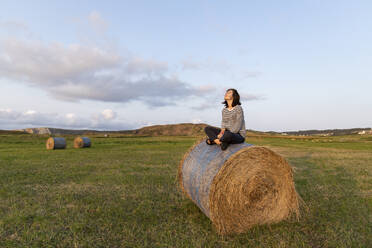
(107, 119)
(150, 67)
(77, 72)
(51, 64)
(221, 66)
(12, 119)
(8, 110)
(13, 25)
(8, 114)
(248, 74)
(206, 105)
(108, 114)
(209, 64)
(188, 64)
(70, 116)
(30, 112)
(196, 121)
(215, 100)
(250, 97)
(71, 119)
(97, 22)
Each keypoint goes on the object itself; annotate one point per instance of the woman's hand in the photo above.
(219, 136)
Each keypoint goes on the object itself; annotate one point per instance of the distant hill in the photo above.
(11, 132)
(187, 129)
(184, 129)
(56, 131)
(332, 132)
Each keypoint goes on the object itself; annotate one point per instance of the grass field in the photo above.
(122, 192)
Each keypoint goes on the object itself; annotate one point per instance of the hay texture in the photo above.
(56, 143)
(240, 187)
(82, 142)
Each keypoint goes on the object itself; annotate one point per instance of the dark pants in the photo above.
(228, 137)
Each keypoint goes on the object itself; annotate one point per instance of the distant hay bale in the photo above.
(82, 142)
(56, 143)
(240, 187)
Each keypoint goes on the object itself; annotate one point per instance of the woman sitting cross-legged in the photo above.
(232, 129)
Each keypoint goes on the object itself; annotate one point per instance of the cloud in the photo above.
(149, 67)
(209, 64)
(251, 97)
(106, 120)
(108, 114)
(220, 66)
(206, 105)
(77, 72)
(52, 64)
(188, 64)
(249, 74)
(196, 121)
(13, 26)
(214, 101)
(97, 22)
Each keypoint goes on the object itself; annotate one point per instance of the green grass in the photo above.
(122, 192)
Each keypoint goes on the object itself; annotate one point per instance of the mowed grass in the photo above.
(122, 192)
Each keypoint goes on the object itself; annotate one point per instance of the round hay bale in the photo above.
(82, 142)
(56, 143)
(240, 187)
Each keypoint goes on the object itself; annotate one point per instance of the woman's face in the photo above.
(228, 95)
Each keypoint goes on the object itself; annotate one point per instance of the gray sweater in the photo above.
(233, 120)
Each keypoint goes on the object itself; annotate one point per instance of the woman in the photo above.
(232, 129)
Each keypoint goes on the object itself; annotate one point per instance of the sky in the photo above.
(118, 65)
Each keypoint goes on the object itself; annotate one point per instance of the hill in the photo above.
(56, 131)
(11, 132)
(332, 132)
(183, 129)
(186, 129)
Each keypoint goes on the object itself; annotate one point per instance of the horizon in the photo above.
(121, 66)
(102, 130)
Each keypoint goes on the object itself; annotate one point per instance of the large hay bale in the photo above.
(240, 187)
(56, 143)
(82, 142)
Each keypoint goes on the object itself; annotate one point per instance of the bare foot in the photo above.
(217, 141)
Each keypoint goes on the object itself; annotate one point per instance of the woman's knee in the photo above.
(209, 130)
(226, 136)
(238, 139)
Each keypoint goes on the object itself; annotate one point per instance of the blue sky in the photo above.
(127, 64)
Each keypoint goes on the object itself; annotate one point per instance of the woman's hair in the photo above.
(236, 98)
